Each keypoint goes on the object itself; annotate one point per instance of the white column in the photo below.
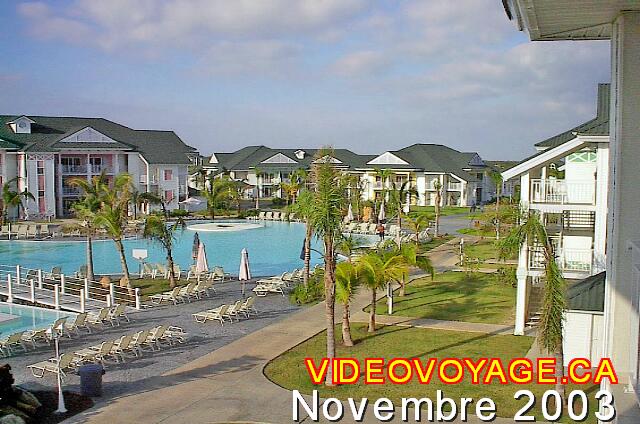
(521, 293)
(621, 302)
(602, 192)
(421, 186)
(524, 191)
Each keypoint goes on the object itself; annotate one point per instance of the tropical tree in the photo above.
(157, 229)
(496, 177)
(112, 216)
(326, 219)
(13, 198)
(303, 208)
(411, 258)
(437, 186)
(532, 232)
(398, 195)
(259, 176)
(218, 190)
(347, 284)
(86, 209)
(418, 224)
(376, 270)
(346, 245)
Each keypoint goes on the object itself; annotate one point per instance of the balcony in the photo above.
(569, 260)
(73, 169)
(71, 191)
(561, 192)
(454, 186)
(143, 179)
(98, 169)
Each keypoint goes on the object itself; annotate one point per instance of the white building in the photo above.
(45, 153)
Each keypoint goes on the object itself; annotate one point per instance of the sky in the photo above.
(368, 75)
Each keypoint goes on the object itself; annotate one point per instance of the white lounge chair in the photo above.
(216, 314)
(66, 362)
(77, 324)
(12, 342)
(119, 312)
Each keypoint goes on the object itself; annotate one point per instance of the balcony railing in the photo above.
(97, 169)
(73, 169)
(572, 260)
(454, 186)
(70, 191)
(143, 179)
(563, 192)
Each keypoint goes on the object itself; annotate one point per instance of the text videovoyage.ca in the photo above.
(453, 371)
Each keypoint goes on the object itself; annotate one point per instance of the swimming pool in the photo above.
(15, 318)
(274, 247)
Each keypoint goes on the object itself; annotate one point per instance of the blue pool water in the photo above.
(23, 318)
(273, 248)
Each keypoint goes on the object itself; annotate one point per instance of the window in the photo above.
(168, 174)
(168, 195)
(40, 167)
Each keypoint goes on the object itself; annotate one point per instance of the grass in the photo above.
(478, 232)
(150, 286)
(288, 369)
(457, 296)
(444, 211)
(433, 243)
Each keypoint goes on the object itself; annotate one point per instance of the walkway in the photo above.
(228, 384)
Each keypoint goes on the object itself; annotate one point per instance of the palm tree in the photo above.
(157, 229)
(398, 195)
(437, 186)
(303, 208)
(326, 218)
(496, 177)
(218, 190)
(346, 245)
(112, 216)
(86, 209)
(259, 175)
(532, 232)
(410, 257)
(13, 198)
(418, 224)
(346, 285)
(376, 270)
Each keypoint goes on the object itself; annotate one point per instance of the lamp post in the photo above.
(61, 407)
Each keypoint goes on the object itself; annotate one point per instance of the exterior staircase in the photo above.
(535, 306)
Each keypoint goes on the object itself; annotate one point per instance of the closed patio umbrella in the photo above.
(196, 246)
(201, 260)
(245, 273)
(349, 216)
(382, 215)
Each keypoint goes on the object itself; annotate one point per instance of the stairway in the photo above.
(535, 306)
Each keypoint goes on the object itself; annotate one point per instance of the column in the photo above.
(621, 299)
(521, 293)
(602, 191)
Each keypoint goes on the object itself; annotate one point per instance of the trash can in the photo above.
(91, 379)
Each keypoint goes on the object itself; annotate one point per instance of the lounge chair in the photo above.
(77, 324)
(268, 286)
(32, 231)
(66, 362)
(45, 231)
(142, 340)
(372, 229)
(148, 270)
(159, 336)
(216, 314)
(233, 310)
(247, 307)
(4, 231)
(176, 334)
(36, 336)
(55, 273)
(8, 345)
(58, 329)
(117, 312)
(203, 288)
(268, 215)
(276, 216)
(187, 291)
(161, 270)
(218, 274)
(125, 346)
(81, 272)
(98, 353)
(261, 215)
(21, 231)
(103, 316)
(173, 295)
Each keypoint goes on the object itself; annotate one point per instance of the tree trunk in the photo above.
(90, 275)
(372, 312)
(559, 355)
(399, 223)
(123, 261)
(329, 292)
(437, 227)
(172, 271)
(213, 212)
(402, 284)
(307, 255)
(346, 326)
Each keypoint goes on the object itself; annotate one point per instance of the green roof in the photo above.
(597, 126)
(587, 294)
(47, 131)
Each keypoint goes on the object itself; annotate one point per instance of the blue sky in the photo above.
(359, 74)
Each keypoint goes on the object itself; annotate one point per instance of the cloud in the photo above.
(361, 63)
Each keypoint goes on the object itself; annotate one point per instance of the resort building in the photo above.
(463, 177)
(566, 183)
(618, 21)
(46, 152)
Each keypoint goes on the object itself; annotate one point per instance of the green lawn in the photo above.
(456, 296)
(288, 370)
(478, 232)
(435, 242)
(444, 211)
(149, 286)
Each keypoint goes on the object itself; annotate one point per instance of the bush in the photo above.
(181, 213)
(278, 201)
(312, 293)
(507, 275)
(249, 212)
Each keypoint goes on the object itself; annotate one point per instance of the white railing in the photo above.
(62, 291)
(572, 260)
(73, 169)
(70, 191)
(454, 186)
(97, 169)
(563, 192)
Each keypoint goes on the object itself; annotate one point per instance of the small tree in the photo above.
(218, 190)
(418, 224)
(13, 198)
(346, 285)
(496, 177)
(410, 257)
(398, 195)
(532, 232)
(303, 208)
(437, 186)
(157, 229)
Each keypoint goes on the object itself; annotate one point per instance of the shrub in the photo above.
(312, 293)
(179, 213)
(278, 201)
(507, 275)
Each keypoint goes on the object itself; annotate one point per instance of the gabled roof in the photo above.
(588, 294)
(597, 126)
(439, 158)
(47, 131)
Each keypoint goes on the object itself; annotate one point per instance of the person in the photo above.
(380, 231)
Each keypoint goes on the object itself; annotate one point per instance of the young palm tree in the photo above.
(346, 285)
(157, 229)
(218, 190)
(376, 270)
(13, 198)
(303, 208)
(496, 177)
(410, 257)
(399, 195)
(326, 219)
(437, 186)
(112, 216)
(259, 175)
(86, 209)
(531, 231)
(418, 224)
